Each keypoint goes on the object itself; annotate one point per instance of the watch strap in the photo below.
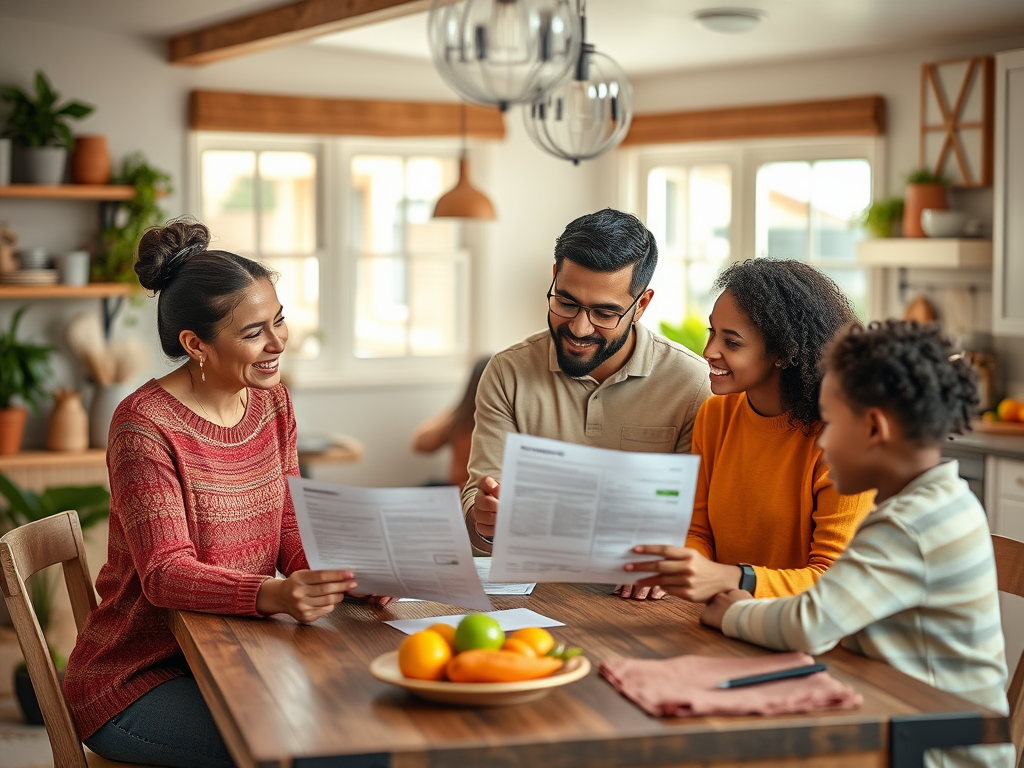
(748, 579)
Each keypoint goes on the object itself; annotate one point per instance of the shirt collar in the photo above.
(640, 363)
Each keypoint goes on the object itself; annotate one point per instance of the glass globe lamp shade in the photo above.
(585, 115)
(502, 52)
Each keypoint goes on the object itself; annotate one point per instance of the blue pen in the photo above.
(767, 677)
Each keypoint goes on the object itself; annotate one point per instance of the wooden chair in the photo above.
(1010, 572)
(23, 552)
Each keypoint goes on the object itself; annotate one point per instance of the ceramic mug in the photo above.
(74, 268)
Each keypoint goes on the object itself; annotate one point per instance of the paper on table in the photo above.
(514, 618)
(397, 541)
(483, 570)
(573, 513)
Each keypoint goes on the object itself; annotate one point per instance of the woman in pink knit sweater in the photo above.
(200, 516)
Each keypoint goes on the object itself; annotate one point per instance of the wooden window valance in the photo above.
(267, 113)
(859, 116)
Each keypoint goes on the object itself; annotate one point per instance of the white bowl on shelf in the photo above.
(940, 223)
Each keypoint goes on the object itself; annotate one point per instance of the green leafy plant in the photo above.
(926, 176)
(879, 217)
(40, 122)
(92, 502)
(692, 333)
(131, 219)
(24, 368)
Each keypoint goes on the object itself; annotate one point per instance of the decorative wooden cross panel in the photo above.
(963, 132)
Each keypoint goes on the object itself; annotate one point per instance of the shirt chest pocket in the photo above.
(648, 439)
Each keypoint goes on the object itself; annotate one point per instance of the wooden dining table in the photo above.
(285, 694)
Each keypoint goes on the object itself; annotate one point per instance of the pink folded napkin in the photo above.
(684, 686)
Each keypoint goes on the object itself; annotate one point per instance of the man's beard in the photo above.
(578, 368)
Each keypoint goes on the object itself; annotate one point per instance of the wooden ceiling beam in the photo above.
(285, 25)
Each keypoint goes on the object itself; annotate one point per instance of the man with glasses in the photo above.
(597, 377)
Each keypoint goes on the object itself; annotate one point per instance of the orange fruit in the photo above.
(1019, 415)
(447, 631)
(423, 656)
(989, 417)
(539, 639)
(516, 645)
(1008, 409)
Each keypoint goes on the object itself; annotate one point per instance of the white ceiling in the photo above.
(644, 36)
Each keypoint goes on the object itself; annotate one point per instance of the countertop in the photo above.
(988, 443)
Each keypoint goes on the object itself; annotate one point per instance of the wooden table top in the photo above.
(285, 694)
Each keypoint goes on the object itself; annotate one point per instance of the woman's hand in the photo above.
(634, 592)
(715, 611)
(685, 573)
(371, 599)
(305, 595)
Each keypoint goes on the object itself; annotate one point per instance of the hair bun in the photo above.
(164, 250)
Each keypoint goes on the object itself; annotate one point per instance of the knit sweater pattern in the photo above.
(200, 517)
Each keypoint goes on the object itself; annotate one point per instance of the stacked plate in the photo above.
(30, 277)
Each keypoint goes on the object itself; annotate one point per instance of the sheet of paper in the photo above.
(397, 541)
(573, 513)
(512, 619)
(483, 570)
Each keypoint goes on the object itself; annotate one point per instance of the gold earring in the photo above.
(202, 373)
(778, 364)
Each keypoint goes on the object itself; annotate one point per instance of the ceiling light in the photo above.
(464, 201)
(729, 20)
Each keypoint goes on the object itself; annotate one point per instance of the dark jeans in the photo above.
(170, 726)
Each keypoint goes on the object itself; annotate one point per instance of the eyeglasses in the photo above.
(605, 319)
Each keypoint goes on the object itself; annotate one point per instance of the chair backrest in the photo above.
(1010, 572)
(23, 552)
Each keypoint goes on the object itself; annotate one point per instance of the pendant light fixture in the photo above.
(502, 52)
(587, 114)
(463, 201)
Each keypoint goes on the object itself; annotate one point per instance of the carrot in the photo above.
(483, 666)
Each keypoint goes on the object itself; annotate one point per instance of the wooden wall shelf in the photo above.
(925, 253)
(90, 291)
(68, 191)
(92, 457)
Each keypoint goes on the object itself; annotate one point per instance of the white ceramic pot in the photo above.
(943, 223)
(74, 268)
(44, 165)
(5, 162)
(101, 411)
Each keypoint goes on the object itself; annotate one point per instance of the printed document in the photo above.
(573, 513)
(397, 541)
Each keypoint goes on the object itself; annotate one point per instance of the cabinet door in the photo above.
(1011, 524)
(1008, 224)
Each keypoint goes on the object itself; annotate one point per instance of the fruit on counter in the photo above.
(518, 646)
(477, 631)
(424, 656)
(1010, 410)
(563, 653)
(487, 666)
(539, 639)
(447, 631)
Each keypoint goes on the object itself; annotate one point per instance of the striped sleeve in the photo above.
(881, 574)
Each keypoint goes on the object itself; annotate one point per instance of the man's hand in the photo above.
(305, 595)
(633, 592)
(685, 572)
(715, 611)
(485, 507)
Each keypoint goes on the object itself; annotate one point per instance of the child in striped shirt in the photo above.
(916, 586)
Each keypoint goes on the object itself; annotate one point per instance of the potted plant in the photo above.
(692, 333)
(925, 189)
(881, 216)
(40, 127)
(20, 507)
(131, 218)
(24, 369)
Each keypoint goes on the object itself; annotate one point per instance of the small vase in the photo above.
(101, 411)
(12, 429)
(69, 423)
(44, 165)
(90, 162)
(919, 197)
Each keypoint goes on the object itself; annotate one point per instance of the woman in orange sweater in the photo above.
(767, 517)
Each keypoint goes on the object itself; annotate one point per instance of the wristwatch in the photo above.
(748, 581)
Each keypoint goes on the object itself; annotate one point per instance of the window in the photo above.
(372, 286)
(709, 205)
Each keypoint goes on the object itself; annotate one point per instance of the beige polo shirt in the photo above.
(648, 405)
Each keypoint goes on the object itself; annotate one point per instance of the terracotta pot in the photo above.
(919, 197)
(69, 423)
(90, 162)
(12, 429)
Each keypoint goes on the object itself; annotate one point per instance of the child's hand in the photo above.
(685, 573)
(634, 592)
(715, 611)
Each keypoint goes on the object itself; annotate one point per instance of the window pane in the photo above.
(840, 191)
(287, 202)
(382, 309)
(426, 179)
(436, 285)
(378, 186)
(298, 289)
(228, 179)
(782, 211)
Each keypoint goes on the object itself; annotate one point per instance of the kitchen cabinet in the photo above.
(1008, 225)
(1004, 502)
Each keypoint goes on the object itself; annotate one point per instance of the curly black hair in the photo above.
(911, 371)
(798, 310)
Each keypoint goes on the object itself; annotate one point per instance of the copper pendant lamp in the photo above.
(464, 201)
